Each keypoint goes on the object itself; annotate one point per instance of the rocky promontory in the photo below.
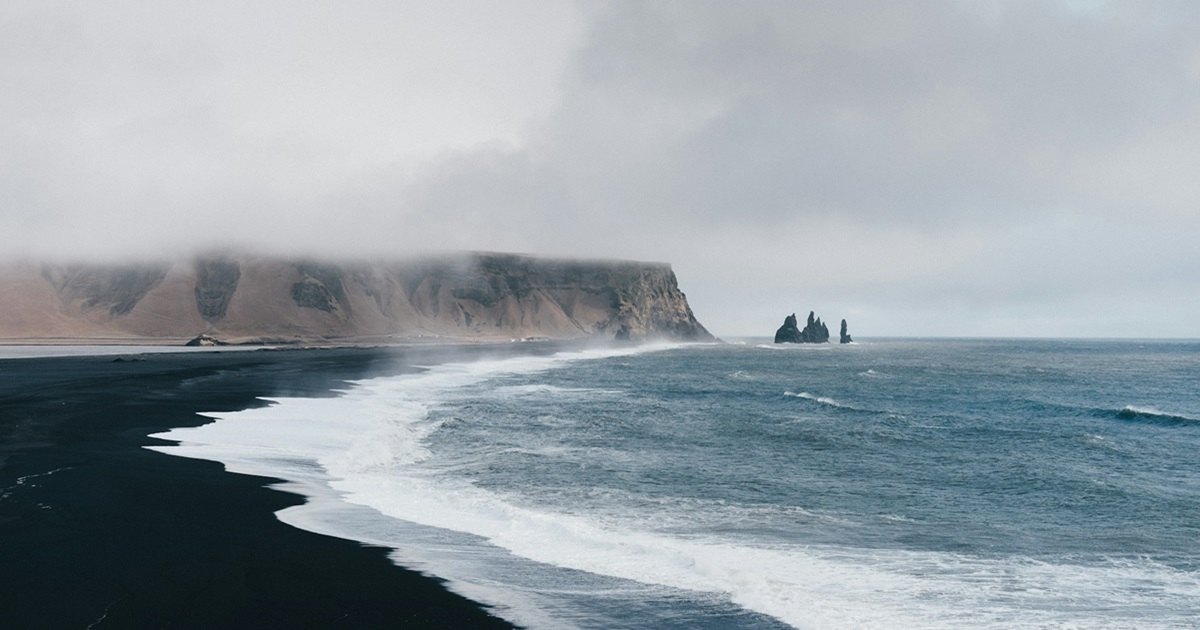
(244, 298)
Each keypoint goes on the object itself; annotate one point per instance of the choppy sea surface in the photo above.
(883, 484)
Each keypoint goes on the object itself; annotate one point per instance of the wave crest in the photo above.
(1131, 412)
(824, 400)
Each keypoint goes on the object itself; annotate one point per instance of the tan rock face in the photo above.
(241, 297)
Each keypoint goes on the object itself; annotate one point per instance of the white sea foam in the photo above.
(542, 389)
(369, 448)
(1133, 411)
(809, 347)
(824, 400)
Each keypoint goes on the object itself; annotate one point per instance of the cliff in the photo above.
(250, 298)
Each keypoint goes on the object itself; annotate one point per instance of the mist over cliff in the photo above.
(247, 298)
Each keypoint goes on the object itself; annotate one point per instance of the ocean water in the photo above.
(884, 484)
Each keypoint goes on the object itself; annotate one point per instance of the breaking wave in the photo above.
(1131, 412)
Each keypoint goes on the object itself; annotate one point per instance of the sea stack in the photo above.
(788, 332)
(815, 331)
(845, 335)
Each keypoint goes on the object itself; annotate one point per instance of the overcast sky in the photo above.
(925, 168)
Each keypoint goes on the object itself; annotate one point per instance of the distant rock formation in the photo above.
(243, 298)
(205, 340)
(216, 282)
(815, 331)
(845, 335)
(789, 332)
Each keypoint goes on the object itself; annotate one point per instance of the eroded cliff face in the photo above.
(254, 298)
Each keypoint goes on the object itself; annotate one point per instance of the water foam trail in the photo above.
(368, 447)
(1131, 412)
(812, 347)
(541, 389)
(825, 400)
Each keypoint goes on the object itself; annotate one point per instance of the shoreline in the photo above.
(381, 341)
(95, 529)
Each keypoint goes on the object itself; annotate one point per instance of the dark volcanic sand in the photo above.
(96, 531)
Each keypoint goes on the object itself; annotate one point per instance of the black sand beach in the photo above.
(96, 531)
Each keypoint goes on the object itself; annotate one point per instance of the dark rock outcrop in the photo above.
(322, 287)
(115, 288)
(216, 282)
(845, 334)
(205, 340)
(815, 331)
(789, 332)
(311, 293)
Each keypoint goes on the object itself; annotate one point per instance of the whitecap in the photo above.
(1153, 413)
(824, 400)
(794, 346)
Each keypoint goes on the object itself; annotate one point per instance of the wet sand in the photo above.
(96, 531)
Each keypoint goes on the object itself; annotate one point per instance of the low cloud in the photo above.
(921, 168)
